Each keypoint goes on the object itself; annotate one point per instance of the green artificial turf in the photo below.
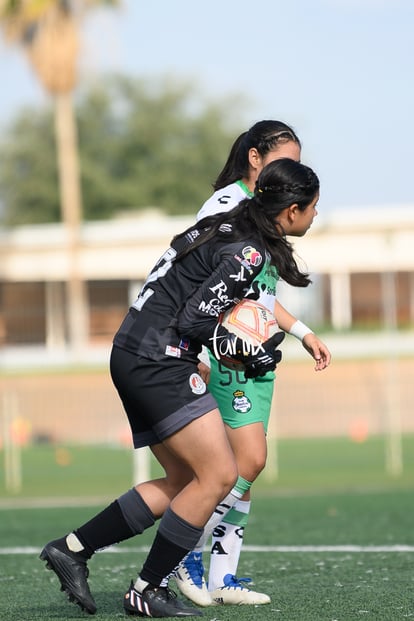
(330, 494)
(94, 472)
(304, 581)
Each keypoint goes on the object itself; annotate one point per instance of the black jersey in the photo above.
(176, 311)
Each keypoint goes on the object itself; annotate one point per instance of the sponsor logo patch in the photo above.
(245, 265)
(192, 235)
(175, 352)
(252, 255)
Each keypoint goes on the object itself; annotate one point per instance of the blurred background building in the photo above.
(361, 302)
(362, 265)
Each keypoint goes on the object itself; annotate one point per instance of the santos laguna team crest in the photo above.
(240, 402)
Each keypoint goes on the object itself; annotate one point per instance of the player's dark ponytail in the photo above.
(263, 136)
(281, 184)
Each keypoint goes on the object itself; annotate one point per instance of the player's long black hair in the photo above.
(280, 184)
(263, 136)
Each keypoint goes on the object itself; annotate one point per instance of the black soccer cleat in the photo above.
(72, 571)
(155, 601)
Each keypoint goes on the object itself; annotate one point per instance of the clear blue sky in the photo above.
(341, 72)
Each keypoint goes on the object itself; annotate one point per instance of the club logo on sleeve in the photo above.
(197, 384)
(252, 255)
(224, 199)
(241, 403)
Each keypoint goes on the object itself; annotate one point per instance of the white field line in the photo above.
(322, 548)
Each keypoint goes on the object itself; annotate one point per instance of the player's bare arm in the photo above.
(318, 350)
(283, 317)
(312, 343)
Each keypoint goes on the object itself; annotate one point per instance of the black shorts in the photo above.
(159, 397)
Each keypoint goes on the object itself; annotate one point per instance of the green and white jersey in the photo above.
(241, 402)
(263, 287)
(224, 199)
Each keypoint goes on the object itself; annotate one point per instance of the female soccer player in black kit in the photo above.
(208, 269)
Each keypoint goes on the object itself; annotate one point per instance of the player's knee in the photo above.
(253, 468)
(227, 480)
(174, 486)
(176, 480)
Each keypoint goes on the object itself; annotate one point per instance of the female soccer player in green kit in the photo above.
(264, 142)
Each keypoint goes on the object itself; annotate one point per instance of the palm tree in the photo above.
(49, 30)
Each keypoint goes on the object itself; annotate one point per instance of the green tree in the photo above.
(48, 30)
(142, 144)
(28, 155)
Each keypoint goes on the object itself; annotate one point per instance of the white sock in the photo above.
(219, 513)
(226, 544)
(140, 584)
(73, 543)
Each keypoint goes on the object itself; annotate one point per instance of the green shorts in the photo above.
(241, 402)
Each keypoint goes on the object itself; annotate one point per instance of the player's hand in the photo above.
(266, 359)
(204, 371)
(318, 350)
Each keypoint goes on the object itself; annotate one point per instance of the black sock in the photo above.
(127, 516)
(166, 554)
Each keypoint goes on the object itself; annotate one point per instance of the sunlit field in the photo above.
(330, 537)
